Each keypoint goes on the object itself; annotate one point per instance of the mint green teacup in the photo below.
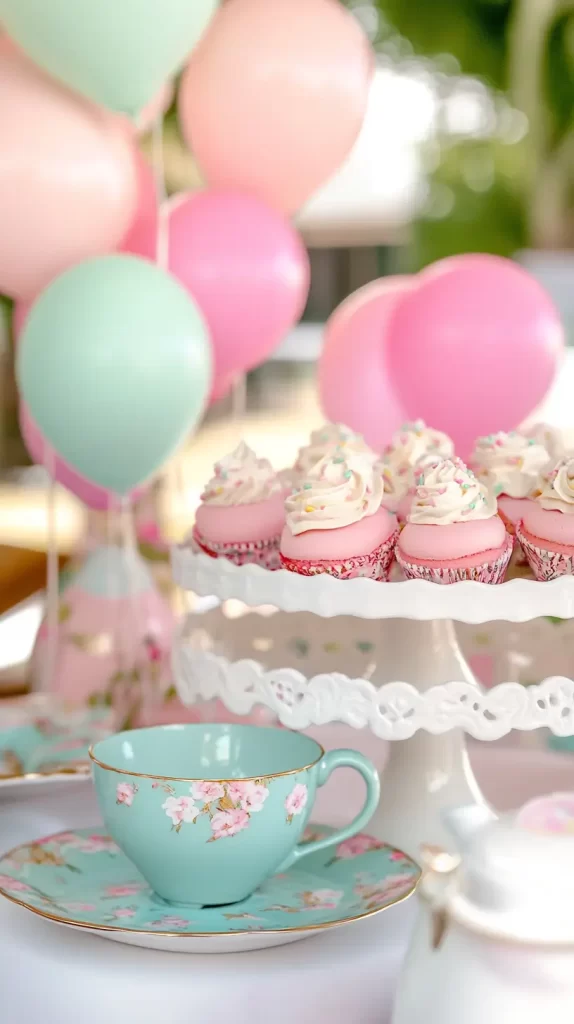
(208, 812)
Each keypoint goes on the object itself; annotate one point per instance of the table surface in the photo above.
(347, 975)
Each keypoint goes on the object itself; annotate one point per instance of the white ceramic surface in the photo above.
(494, 939)
(515, 601)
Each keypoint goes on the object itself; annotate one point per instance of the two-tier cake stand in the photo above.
(374, 655)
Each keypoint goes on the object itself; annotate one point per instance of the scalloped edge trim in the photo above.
(468, 601)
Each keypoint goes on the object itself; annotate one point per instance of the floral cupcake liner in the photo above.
(489, 572)
(376, 565)
(259, 552)
(545, 564)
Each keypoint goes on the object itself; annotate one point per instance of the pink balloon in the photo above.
(67, 182)
(221, 387)
(354, 384)
(247, 268)
(275, 95)
(474, 347)
(141, 237)
(43, 454)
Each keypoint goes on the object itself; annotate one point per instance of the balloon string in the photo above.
(158, 161)
(52, 572)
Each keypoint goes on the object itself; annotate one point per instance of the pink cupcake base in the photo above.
(546, 564)
(252, 552)
(375, 566)
(491, 571)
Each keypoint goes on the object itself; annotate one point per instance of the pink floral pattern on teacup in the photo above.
(249, 795)
(552, 814)
(228, 823)
(181, 809)
(207, 791)
(296, 801)
(228, 805)
(125, 792)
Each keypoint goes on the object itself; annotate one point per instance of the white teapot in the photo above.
(494, 942)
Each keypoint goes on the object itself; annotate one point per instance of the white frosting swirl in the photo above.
(338, 491)
(413, 442)
(323, 442)
(447, 492)
(549, 437)
(509, 463)
(555, 491)
(241, 479)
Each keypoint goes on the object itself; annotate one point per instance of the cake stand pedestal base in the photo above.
(426, 774)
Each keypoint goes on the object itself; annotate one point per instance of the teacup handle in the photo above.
(341, 759)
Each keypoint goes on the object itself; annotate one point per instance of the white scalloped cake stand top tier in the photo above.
(515, 601)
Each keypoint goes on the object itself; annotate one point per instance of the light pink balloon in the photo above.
(67, 181)
(141, 237)
(247, 268)
(41, 452)
(354, 384)
(275, 95)
(474, 347)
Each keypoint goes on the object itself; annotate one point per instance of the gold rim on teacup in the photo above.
(182, 778)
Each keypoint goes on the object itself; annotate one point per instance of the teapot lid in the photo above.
(516, 880)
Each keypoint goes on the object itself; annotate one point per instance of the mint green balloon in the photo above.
(114, 363)
(117, 52)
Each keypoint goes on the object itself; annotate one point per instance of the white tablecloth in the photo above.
(53, 975)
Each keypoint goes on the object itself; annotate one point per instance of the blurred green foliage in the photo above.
(523, 49)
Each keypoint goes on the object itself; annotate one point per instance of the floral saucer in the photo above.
(43, 740)
(82, 880)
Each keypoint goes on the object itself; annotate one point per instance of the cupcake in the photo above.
(242, 511)
(323, 442)
(550, 438)
(335, 522)
(509, 465)
(546, 531)
(452, 531)
(413, 443)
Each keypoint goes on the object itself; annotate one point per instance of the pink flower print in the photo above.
(207, 791)
(322, 899)
(125, 792)
(169, 921)
(357, 845)
(181, 809)
(96, 844)
(228, 823)
(13, 884)
(116, 891)
(249, 795)
(397, 855)
(296, 801)
(123, 912)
